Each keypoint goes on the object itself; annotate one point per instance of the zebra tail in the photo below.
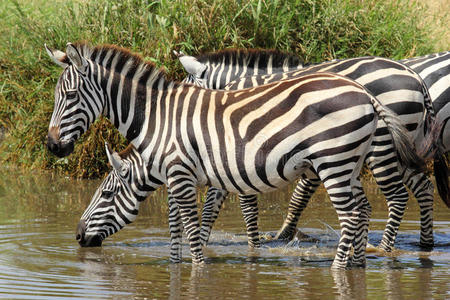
(432, 147)
(406, 153)
(432, 129)
(441, 175)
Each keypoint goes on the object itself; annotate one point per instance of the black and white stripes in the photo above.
(216, 70)
(247, 141)
(435, 70)
(399, 88)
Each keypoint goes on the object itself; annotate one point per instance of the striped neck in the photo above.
(130, 87)
(131, 98)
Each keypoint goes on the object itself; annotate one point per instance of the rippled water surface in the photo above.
(39, 257)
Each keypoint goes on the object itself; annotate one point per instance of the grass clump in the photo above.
(314, 30)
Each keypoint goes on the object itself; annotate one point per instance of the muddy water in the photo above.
(39, 257)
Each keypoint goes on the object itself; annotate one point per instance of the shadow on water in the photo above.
(39, 257)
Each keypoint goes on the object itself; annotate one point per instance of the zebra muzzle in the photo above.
(59, 149)
(56, 146)
(91, 240)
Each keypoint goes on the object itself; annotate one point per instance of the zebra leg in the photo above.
(361, 237)
(249, 207)
(349, 216)
(396, 198)
(176, 231)
(384, 165)
(340, 192)
(344, 189)
(184, 193)
(214, 201)
(303, 192)
(422, 188)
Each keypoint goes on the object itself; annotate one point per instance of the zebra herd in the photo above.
(252, 121)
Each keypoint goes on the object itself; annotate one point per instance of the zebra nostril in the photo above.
(81, 229)
(52, 145)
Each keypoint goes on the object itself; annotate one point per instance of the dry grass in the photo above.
(438, 17)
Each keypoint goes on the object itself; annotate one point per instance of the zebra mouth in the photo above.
(58, 148)
(90, 241)
(87, 240)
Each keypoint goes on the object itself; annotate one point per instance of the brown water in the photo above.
(39, 257)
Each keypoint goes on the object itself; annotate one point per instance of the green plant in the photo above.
(315, 30)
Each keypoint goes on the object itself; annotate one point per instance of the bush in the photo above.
(314, 30)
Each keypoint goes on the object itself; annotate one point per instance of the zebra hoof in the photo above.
(339, 265)
(254, 244)
(198, 260)
(359, 262)
(175, 260)
(286, 233)
(426, 245)
(384, 247)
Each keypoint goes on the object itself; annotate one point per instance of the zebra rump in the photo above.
(435, 71)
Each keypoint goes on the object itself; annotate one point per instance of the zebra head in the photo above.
(116, 201)
(75, 94)
(197, 71)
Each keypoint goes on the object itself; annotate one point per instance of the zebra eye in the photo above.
(123, 173)
(107, 194)
(71, 94)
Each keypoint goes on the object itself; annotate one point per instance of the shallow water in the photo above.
(39, 257)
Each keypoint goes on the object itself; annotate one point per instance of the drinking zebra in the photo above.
(246, 142)
(394, 85)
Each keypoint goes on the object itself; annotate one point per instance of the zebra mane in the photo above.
(123, 56)
(126, 152)
(278, 57)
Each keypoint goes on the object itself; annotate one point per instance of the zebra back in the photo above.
(435, 71)
(217, 69)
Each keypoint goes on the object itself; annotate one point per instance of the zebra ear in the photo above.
(191, 64)
(58, 57)
(75, 57)
(114, 158)
(177, 54)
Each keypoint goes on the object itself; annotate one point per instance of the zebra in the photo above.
(435, 71)
(215, 70)
(376, 74)
(116, 201)
(246, 142)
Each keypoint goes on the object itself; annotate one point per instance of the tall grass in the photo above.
(315, 30)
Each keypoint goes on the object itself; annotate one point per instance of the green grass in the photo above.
(314, 30)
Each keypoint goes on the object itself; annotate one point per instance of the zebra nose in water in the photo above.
(81, 229)
(89, 240)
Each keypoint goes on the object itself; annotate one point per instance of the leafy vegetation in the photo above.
(315, 30)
